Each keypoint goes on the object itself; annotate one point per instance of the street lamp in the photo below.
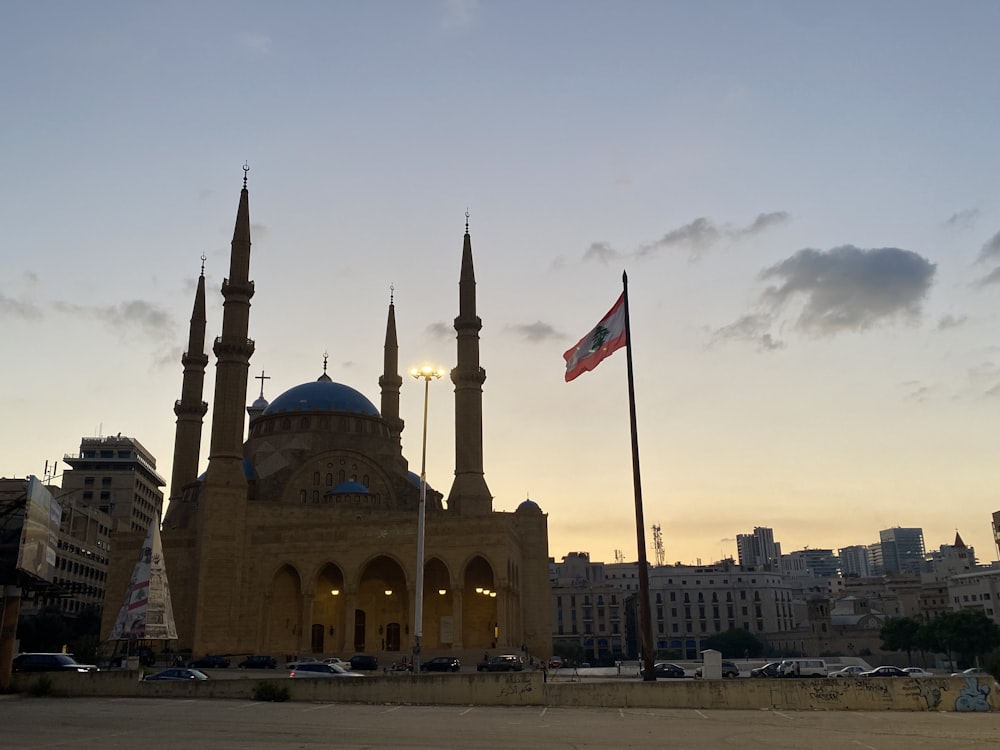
(427, 374)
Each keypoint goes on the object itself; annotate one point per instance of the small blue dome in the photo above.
(529, 505)
(322, 395)
(414, 478)
(348, 488)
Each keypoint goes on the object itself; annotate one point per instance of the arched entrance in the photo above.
(328, 625)
(438, 631)
(480, 628)
(381, 619)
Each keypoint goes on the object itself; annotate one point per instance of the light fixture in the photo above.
(479, 589)
(493, 594)
(427, 373)
(442, 592)
(334, 592)
(388, 592)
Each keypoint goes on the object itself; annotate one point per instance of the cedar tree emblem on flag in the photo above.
(605, 338)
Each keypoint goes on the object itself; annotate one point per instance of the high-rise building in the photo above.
(855, 561)
(116, 475)
(902, 550)
(821, 563)
(759, 550)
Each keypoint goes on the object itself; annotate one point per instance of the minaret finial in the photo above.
(203, 259)
(466, 219)
(392, 293)
(325, 357)
(246, 168)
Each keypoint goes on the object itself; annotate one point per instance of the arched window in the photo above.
(315, 496)
(304, 423)
(329, 480)
(302, 495)
(315, 477)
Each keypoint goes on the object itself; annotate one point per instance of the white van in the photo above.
(803, 668)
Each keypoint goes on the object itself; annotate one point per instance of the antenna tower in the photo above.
(619, 556)
(658, 545)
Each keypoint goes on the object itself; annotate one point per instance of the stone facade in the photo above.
(302, 536)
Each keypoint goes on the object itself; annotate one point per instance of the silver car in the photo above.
(319, 669)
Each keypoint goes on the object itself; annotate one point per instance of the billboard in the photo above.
(36, 555)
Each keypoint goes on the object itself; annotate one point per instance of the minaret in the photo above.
(232, 351)
(469, 494)
(221, 513)
(190, 409)
(391, 381)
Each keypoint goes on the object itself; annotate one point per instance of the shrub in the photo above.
(270, 691)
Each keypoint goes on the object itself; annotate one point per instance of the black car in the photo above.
(209, 661)
(49, 663)
(663, 669)
(768, 670)
(364, 661)
(502, 663)
(258, 662)
(177, 674)
(884, 672)
(441, 664)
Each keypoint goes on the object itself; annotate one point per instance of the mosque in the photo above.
(301, 537)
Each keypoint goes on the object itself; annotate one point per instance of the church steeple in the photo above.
(190, 409)
(469, 494)
(391, 381)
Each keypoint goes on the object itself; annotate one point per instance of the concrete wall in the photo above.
(529, 688)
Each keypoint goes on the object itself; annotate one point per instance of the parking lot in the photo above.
(159, 724)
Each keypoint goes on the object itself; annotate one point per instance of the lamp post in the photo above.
(425, 373)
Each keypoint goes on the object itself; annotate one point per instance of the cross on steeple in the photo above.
(262, 377)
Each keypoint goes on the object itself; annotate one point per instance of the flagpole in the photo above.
(645, 620)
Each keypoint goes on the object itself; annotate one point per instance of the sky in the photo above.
(804, 196)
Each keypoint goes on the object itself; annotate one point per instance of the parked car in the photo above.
(917, 672)
(884, 672)
(209, 661)
(663, 669)
(258, 662)
(852, 671)
(502, 663)
(441, 664)
(970, 672)
(339, 661)
(319, 669)
(729, 670)
(33, 662)
(364, 661)
(768, 670)
(803, 668)
(556, 662)
(302, 660)
(176, 674)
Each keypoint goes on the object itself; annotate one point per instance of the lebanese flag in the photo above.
(605, 338)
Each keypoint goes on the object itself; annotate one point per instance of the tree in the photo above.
(900, 634)
(968, 633)
(735, 643)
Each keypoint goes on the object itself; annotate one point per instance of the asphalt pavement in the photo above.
(162, 724)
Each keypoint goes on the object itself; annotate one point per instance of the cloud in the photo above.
(537, 331)
(601, 251)
(257, 43)
(754, 328)
(951, 321)
(993, 277)
(990, 249)
(126, 317)
(697, 237)
(915, 391)
(849, 289)
(459, 13)
(18, 308)
(962, 219)
(441, 331)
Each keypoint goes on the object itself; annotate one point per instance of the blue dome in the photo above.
(322, 395)
(349, 488)
(528, 505)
